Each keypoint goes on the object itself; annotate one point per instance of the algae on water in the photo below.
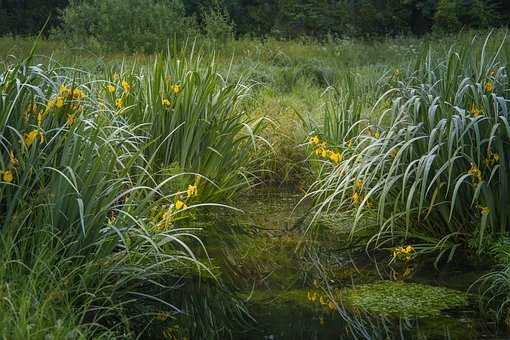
(402, 299)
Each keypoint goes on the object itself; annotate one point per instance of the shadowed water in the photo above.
(278, 277)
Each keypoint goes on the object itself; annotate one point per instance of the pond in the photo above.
(297, 286)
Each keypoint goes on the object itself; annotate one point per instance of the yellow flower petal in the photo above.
(7, 176)
(192, 191)
(180, 205)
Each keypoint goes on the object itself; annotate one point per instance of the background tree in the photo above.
(446, 17)
(290, 18)
(23, 17)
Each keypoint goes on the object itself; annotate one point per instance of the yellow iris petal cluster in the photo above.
(119, 103)
(64, 91)
(68, 98)
(166, 103)
(475, 111)
(313, 296)
(475, 173)
(404, 253)
(7, 176)
(125, 86)
(374, 133)
(110, 88)
(78, 94)
(488, 87)
(162, 316)
(322, 151)
(358, 184)
(59, 102)
(356, 198)
(357, 195)
(162, 220)
(176, 88)
(335, 157)
(71, 119)
(179, 205)
(491, 159)
(30, 137)
(314, 140)
(192, 191)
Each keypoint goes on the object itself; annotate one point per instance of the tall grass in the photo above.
(341, 115)
(494, 287)
(436, 172)
(196, 122)
(331, 138)
(89, 235)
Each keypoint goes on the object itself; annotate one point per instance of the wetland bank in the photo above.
(210, 187)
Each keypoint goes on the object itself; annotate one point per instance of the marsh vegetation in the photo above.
(205, 186)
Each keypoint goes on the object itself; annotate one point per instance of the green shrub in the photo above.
(480, 14)
(446, 16)
(216, 23)
(132, 25)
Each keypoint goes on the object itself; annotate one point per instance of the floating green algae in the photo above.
(403, 299)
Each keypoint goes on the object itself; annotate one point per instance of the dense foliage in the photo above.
(126, 25)
(91, 237)
(283, 18)
(434, 167)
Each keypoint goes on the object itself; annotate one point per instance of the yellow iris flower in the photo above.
(475, 112)
(32, 136)
(176, 88)
(166, 103)
(59, 102)
(475, 172)
(335, 157)
(180, 205)
(110, 88)
(119, 103)
(71, 119)
(126, 86)
(489, 87)
(192, 190)
(7, 176)
(315, 140)
(64, 90)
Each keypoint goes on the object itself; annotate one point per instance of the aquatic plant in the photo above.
(437, 169)
(81, 247)
(402, 299)
(196, 121)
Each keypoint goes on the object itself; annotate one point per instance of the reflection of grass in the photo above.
(280, 300)
(263, 261)
(403, 299)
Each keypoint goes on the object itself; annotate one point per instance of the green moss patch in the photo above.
(403, 299)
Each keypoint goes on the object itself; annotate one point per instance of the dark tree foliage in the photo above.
(23, 17)
(290, 18)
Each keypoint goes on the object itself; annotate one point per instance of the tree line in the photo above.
(291, 18)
